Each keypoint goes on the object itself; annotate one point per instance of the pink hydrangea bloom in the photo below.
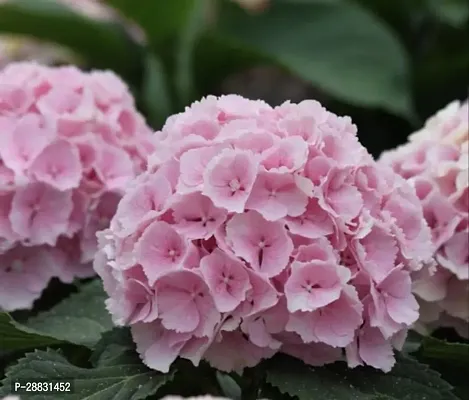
(258, 230)
(70, 142)
(436, 162)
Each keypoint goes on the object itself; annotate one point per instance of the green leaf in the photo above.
(185, 52)
(80, 319)
(102, 44)
(295, 378)
(127, 379)
(229, 386)
(216, 58)
(451, 12)
(113, 345)
(14, 336)
(451, 360)
(408, 380)
(159, 20)
(337, 46)
(155, 92)
(439, 349)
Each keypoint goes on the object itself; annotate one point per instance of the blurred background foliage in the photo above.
(387, 64)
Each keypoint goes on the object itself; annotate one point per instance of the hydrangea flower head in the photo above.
(436, 161)
(258, 230)
(70, 142)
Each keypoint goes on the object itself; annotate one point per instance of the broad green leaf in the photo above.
(80, 319)
(337, 46)
(155, 92)
(457, 353)
(216, 58)
(451, 360)
(452, 12)
(293, 377)
(14, 336)
(127, 379)
(159, 20)
(408, 380)
(102, 44)
(185, 52)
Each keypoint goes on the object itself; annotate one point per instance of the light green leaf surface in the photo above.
(80, 319)
(102, 44)
(15, 336)
(337, 46)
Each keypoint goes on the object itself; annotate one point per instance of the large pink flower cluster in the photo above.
(259, 230)
(436, 162)
(69, 143)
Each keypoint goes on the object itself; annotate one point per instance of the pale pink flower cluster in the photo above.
(436, 162)
(259, 230)
(69, 143)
